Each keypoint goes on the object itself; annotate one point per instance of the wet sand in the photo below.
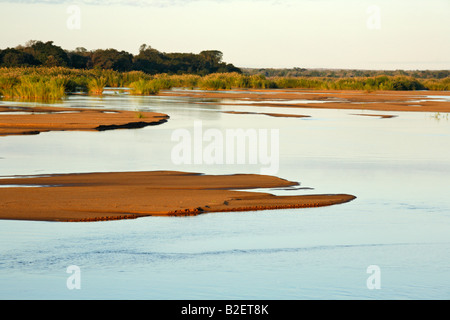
(129, 195)
(382, 116)
(34, 120)
(331, 99)
(125, 195)
(279, 115)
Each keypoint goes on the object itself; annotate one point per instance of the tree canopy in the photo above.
(148, 60)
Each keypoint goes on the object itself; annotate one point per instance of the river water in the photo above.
(398, 168)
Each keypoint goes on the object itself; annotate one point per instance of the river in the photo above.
(398, 168)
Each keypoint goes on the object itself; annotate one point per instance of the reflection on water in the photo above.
(398, 168)
(25, 186)
(277, 101)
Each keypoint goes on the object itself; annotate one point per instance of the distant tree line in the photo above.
(148, 60)
(345, 73)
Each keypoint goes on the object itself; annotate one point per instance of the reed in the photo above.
(7, 84)
(144, 87)
(438, 84)
(31, 88)
(133, 76)
(184, 80)
(226, 81)
(163, 82)
(219, 81)
(44, 83)
(97, 85)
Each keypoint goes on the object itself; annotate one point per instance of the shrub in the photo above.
(96, 85)
(145, 87)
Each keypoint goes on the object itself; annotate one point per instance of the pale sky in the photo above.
(360, 34)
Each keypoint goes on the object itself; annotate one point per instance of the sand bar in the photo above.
(426, 101)
(278, 115)
(34, 120)
(129, 195)
(382, 116)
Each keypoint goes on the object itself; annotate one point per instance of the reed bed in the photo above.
(32, 88)
(40, 83)
(144, 87)
(97, 85)
(437, 84)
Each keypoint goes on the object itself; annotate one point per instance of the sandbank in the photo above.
(129, 195)
(382, 116)
(34, 120)
(278, 115)
(426, 101)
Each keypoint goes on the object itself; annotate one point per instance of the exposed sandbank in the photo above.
(128, 195)
(330, 99)
(280, 115)
(382, 116)
(34, 120)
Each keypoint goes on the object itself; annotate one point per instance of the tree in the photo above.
(47, 53)
(112, 59)
(149, 60)
(212, 56)
(15, 58)
(79, 60)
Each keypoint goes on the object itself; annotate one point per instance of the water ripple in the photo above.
(250, 251)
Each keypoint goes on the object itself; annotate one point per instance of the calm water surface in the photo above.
(399, 169)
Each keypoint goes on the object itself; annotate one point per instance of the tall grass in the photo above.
(32, 88)
(226, 81)
(133, 76)
(97, 85)
(184, 80)
(7, 85)
(438, 84)
(39, 83)
(144, 87)
(353, 83)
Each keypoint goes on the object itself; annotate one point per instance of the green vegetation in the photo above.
(44, 71)
(438, 116)
(53, 83)
(33, 88)
(223, 81)
(140, 115)
(145, 87)
(437, 84)
(148, 60)
(345, 73)
(357, 83)
(97, 85)
(219, 81)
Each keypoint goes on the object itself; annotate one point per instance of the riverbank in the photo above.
(129, 195)
(415, 101)
(34, 120)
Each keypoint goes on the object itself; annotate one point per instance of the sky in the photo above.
(349, 34)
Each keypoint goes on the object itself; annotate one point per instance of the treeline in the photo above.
(345, 73)
(148, 60)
